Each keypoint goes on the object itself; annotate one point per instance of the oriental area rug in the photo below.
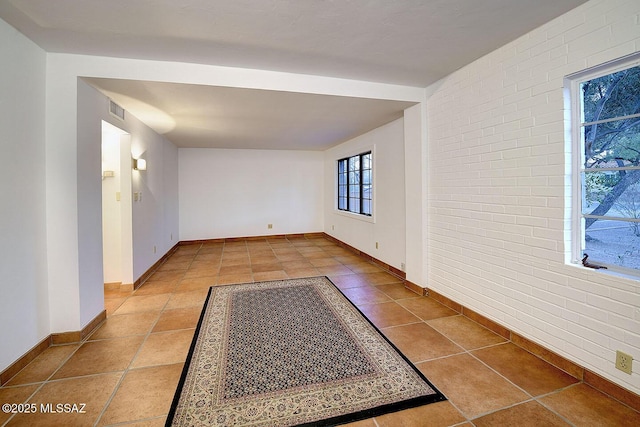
(291, 353)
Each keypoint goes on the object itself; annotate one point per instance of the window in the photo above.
(355, 184)
(606, 133)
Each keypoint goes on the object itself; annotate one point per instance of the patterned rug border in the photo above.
(337, 420)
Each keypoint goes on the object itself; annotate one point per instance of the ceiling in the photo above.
(405, 42)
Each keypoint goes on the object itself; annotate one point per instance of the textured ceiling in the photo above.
(406, 42)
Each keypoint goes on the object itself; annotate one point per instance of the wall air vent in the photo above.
(116, 110)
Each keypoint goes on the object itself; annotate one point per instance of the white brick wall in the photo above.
(498, 192)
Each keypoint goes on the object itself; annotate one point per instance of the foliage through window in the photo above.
(355, 184)
(609, 169)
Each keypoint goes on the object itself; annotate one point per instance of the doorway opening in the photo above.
(117, 234)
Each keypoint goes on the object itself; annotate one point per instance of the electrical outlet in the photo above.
(376, 245)
(402, 266)
(624, 362)
(269, 226)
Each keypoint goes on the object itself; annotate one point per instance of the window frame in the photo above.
(575, 123)
(346, 210)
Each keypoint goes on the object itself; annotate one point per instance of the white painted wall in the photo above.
(498, 192)
(236, 193)
(24, 311)
(153, 216)
(387, 225)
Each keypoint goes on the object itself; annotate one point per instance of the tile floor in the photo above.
(126, 372)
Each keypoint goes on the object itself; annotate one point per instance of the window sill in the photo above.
(355, 216)
(610, 271)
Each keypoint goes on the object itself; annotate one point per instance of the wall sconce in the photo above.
(139, 164)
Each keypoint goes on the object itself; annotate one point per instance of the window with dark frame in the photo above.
(355, 184)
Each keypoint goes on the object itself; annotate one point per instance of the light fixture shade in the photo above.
(140, 164)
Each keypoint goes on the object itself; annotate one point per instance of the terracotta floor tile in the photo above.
(43, 366)
(348, 281)
(176, 264)
(156, 287)
(305, 272)
(263, 258)
(420, 342)
(137, 304)
(90, 394)
(311, 249)
(180, 318)
(117, 293)
(334, 270)
(380, 278)
(212, 256)
(363, 423)
(397, 291)
(465, 332)
(235, 278)
(164, 348)
(201, 272)
(166, 276)
(154, 422)
(296, 264)
(101, 356)
(144, 393)
(527, 371)
(234, 270)
(15, 395)
(194, 284)
(363, 267)
(472, 387)
(291, 256)
(261, 268)
(583, 405)
(112, 304)
(324, 262)
(202, 263)
(187, 299)
(440, 414)
(270, 275)
(427, 308)
(235, 256)
(529, 414)
(348, 258)
(387, 314)
(365, 295)
(123, 325)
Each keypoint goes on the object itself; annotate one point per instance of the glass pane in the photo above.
(354, 177)
(354, 205)
(354, 163)
(610, 96)
(613, 242)
(612, 144)
(342, 166)
(366, 161)
(612, 193)
(366, 176)
(342, 203)
(366, 207)
(366, 192)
